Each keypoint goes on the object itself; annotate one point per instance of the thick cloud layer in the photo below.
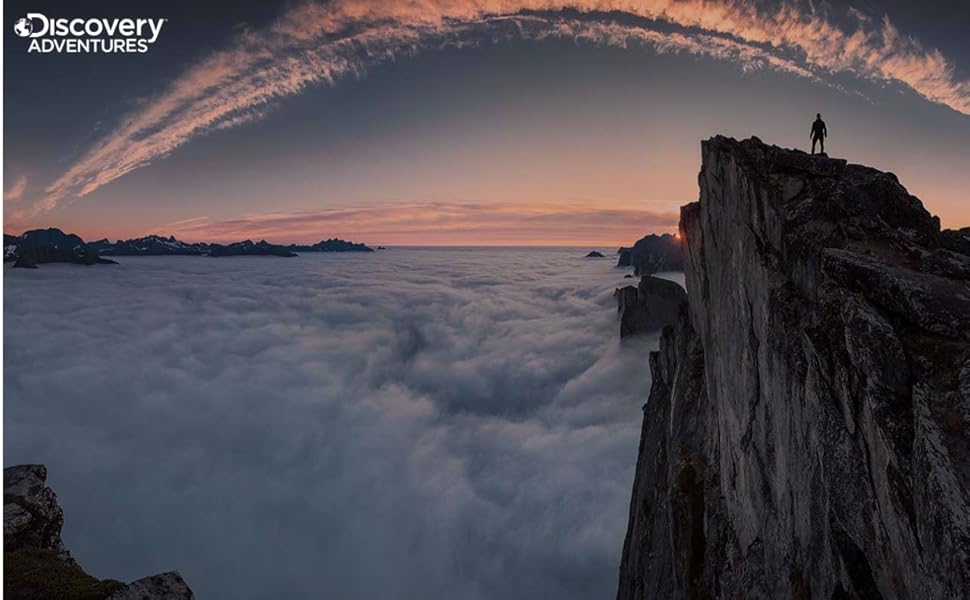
(405, 424)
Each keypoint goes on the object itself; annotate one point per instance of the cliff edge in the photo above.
(36, 564)
(806, 434)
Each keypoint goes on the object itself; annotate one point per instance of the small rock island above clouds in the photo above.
(806, 433)
(40, 246)
(653, 254)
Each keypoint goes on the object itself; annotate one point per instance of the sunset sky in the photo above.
(477, 122)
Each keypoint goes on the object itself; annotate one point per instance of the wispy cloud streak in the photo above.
(437, 224)
(16, 191)
(321, 43)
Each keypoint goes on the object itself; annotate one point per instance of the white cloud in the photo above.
(406, 424)
(16, 190)
(321, 43)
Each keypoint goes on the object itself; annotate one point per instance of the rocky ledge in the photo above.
(806, 434)
(36, 564)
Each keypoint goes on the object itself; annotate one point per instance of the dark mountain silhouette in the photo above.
(248, 248)
(152, 245)
(52, 245)
(332, 245)
(40, 246)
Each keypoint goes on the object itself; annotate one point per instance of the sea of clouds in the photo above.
(413, 423)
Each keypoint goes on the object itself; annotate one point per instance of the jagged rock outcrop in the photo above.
(40, 246)
(594, 254)
(31, 516)
(806, 434)
(150, 245)
(36, 564)
(653, 254)
(649, 306)
(164, 586)
(333, 245)
(248, 248)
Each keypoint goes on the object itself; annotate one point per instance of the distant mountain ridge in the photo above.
(53, 245)
(151, 245)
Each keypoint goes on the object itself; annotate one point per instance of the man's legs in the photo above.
(814, 139)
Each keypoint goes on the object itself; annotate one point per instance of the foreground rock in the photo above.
(649, 306)
(806, 434)
(169, 586)
(40, 246)
(36, 564)
(653, 254)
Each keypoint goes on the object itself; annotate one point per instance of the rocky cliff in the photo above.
(37, 566)
(806, 435)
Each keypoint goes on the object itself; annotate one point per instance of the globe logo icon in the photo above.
(23, 27)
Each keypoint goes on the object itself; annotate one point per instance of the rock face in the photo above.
(36, 564)
(40, 246)
(806, 434)
(653, 254)
(649, 306)
(31, 516)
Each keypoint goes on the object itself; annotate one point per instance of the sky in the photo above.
(465, 122)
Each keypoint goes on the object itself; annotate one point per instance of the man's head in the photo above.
(818, 115)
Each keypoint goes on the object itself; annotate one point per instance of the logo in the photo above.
(23, 27)
(88, 36)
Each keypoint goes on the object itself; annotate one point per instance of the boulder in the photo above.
(164, 586)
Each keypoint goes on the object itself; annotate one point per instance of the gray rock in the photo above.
(32, 519)
(806, 434)
(649, 306)
(164, 586)
(36, 563)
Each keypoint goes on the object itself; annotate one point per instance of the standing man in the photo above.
(819, 133)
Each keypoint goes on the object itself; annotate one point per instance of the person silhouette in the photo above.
(819, 133)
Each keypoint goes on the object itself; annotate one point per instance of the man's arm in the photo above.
(825, 131)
